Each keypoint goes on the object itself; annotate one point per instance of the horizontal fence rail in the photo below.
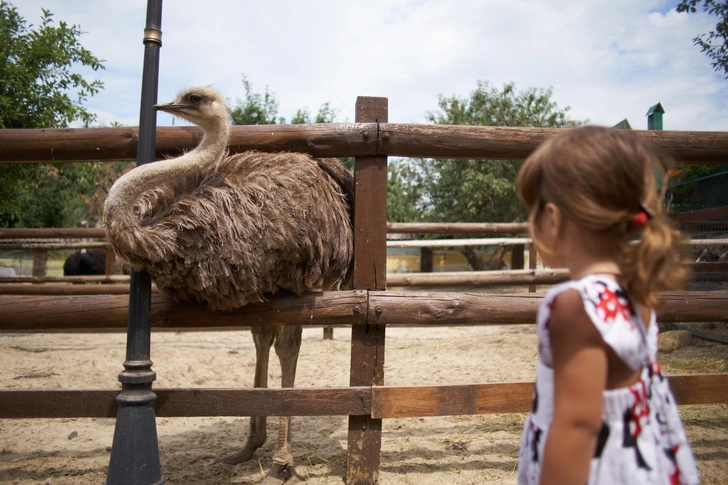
(456, 228)
(356, 307)
(57, 290)
(66, 279)
(334, 139)
(99, 144)
(506, 241)
(53, 233)
(477, 278)
(53, 246)
(442, 243)
(379, 402)
(118, 284)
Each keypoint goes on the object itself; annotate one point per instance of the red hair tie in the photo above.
(642, 216)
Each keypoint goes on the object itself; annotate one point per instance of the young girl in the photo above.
(602, 411)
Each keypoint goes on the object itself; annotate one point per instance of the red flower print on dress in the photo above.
(640, 411)
(612, 304)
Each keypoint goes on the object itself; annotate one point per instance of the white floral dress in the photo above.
(642, 440)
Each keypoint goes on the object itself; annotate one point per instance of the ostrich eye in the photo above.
(195, 98)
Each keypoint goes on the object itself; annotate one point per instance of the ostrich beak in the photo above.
(170, 107)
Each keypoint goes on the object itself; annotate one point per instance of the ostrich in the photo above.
(226, 230)
(85, 262)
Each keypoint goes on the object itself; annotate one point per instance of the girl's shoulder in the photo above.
(611, 311)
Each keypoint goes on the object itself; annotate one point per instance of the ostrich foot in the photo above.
(282, 471)
(281, 475)
(244, 454)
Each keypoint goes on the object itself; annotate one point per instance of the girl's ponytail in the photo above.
(655, 261)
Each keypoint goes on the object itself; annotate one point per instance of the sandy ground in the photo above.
(429, 451)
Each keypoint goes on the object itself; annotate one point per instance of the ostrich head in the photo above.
(202, 106)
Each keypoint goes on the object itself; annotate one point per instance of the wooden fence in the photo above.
(369, 308)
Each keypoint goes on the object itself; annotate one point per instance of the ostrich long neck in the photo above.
(127, 190)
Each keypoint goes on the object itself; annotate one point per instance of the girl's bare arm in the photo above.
(580, 376)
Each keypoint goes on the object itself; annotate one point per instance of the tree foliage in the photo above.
(325, 114)
(714, 43)
(38, 88)
(445, 190)
(262, 109)
(256, 108)
(41, 88)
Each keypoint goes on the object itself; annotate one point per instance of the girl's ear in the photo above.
(553, 219)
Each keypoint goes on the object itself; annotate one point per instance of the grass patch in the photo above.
(698, 365)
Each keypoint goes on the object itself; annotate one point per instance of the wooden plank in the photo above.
(446, 243)
(99, 144)
(532, 263)
(518, 256)
(411, 308)
(69, 290)
(505, 241)
(51, 246)
(425, 263)
(700, 215)
(478, 278)
(189, 402)
(457, 228)
(421, 401)
(710, 267)
(423, 308)
(109, 263)
(700, 388)
(24, 404)
(39, 263)
(334, 139)
(52, 233)
(66, 279)
(381, 402)
(694, 306)
(451, 308)
(104, 311)
(510, 143)
(708, 242)
(370, 273)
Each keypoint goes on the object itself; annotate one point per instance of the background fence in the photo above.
(369, 308)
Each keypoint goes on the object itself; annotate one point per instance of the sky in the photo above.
(606, 59)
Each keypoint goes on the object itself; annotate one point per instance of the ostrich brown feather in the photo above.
(239, 227)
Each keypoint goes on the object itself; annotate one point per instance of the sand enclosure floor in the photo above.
(423, 451)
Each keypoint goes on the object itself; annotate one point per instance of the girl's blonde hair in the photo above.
(601, 178)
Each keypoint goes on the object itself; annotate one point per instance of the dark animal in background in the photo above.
(228, 230)
(85, 262)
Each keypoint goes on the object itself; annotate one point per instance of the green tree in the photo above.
(255, 109)
(326, 114)
(39, 88)
(403, 197)
(262, 109)
(715, 43)
(448, 190)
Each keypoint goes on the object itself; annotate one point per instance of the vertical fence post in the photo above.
(40, 256)
(135, 451)
(425, 260)
(518, 256)
(370, 273)
(532, 263)
(109, 264)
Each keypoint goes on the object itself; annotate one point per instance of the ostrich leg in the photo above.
(287, 347)
(263, 337)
